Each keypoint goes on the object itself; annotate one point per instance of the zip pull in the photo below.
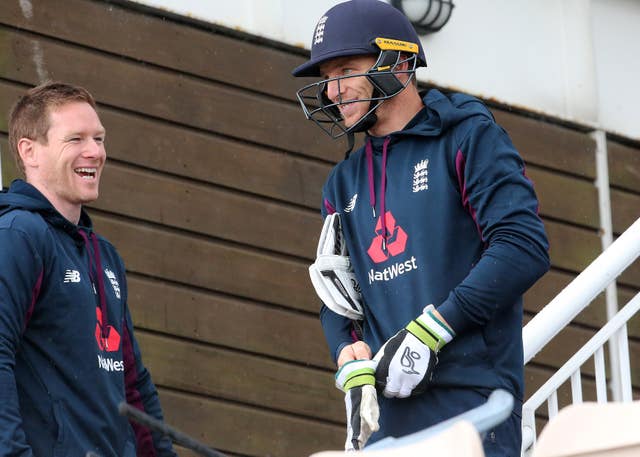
(373, 210)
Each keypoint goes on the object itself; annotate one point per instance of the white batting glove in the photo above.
(356, 378)
(332, 275)
(407, 360)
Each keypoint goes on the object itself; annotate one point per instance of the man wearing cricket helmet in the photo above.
(431, 235)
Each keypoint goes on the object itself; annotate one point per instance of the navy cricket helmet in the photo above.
(355, 28)
(351, 28)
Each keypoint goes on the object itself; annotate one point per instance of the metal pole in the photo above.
(606, 238)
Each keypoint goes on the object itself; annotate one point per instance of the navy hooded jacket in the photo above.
(68, 356)
(442, 213)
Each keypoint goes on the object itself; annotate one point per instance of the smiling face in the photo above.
(346, 91)
(68, 167)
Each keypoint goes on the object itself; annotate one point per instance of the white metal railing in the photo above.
(561, 311)
(581, 291)
(571, 370)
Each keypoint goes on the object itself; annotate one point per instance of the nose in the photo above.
(94, 149)
(333, 90)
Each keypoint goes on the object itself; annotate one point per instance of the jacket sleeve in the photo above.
(142, 394)
(20, 278)
(501, 199)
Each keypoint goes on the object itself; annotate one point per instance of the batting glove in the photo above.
(332, 275)
(357, 380)
(407, 360)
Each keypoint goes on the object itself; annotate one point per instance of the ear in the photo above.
(28, 153)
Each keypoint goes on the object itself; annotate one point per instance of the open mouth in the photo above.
(86, 173)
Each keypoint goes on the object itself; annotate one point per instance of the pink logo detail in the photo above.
(110, 342)
(396, 241)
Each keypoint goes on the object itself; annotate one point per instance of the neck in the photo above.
(394, 114)
(69, 211)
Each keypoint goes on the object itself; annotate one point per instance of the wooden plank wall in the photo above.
(212, 192)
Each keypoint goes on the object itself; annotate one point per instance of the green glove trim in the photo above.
(356, 373)
(431, 330)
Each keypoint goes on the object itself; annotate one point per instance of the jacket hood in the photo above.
(443, 112)
(22, 195)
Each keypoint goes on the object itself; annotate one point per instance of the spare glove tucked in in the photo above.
(357, 380)
(332, 275)
(407, 360)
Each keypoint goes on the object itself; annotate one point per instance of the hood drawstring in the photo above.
(96, 275)
(383, 185)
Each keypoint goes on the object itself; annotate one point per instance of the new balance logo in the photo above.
(420, 177)
(352, 204)
(71, 276)
(319, 35)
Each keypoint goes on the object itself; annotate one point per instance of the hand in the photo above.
(332, 275)
(407, 360)
(356, 378)
(356, 351)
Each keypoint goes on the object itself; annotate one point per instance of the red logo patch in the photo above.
(396, 241)
(110, 342)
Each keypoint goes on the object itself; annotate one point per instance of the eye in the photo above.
(99, 139)
(74, 139)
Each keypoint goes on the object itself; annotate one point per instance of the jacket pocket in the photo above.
(60, 419)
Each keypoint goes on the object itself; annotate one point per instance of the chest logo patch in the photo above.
(107, 336)
(352, 204)
(396, 241)
(114, 282)
(420, 175)
(71, 276)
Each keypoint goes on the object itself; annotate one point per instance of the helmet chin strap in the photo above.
(364, 124)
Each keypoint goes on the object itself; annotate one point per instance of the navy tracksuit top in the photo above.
(442, 213)
(68, 355)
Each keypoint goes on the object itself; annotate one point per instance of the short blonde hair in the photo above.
(29, 116)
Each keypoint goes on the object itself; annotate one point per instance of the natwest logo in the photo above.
(109, 339)
(396, 240)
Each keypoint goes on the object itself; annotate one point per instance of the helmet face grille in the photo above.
(325, 113)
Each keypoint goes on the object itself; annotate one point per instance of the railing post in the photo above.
(528, 430)
(606, 238)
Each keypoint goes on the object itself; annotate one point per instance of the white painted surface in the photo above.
(574, 59)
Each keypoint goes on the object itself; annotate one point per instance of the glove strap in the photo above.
(431, 330)
(356, 373)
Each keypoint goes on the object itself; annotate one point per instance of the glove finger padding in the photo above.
(331, 240)
(407, 360)
(332, 275)
(356, 379)
(362, 416)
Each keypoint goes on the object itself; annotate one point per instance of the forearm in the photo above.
(504, 272)
(141, 393)
(337, 331)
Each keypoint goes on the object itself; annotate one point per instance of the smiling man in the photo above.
(431, 235)
(68, 355)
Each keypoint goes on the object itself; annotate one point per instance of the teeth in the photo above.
(86, 173)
